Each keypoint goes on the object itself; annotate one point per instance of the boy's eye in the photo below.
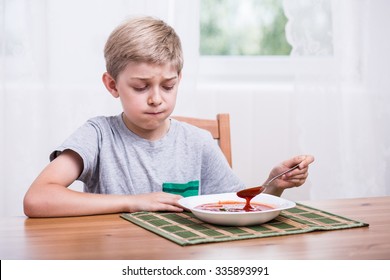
(140, 88)
(170, 87)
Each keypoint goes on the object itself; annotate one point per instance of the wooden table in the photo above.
(111, 237)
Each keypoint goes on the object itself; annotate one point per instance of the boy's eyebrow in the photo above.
(145, 79)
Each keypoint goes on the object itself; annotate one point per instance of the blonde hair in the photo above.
(142, 39)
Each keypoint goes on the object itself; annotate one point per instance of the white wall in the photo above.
(51, 84)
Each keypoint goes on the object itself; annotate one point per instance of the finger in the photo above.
(294, 177)
(159, 201)
(292, 183)
(170, 208)
(172, 199)
(159, 206)
(306, 160)
(296, 173)
(297, 178)
(293, 161)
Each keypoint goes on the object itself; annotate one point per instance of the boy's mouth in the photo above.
(154, 113)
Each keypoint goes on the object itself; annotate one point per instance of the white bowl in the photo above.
(236, 218)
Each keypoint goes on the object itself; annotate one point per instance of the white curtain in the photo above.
(339, 108)
(51, 62)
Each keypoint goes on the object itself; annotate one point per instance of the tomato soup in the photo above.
(233, 206)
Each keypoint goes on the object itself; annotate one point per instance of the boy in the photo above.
(124, 160)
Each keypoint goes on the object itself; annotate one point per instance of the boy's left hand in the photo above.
(295, 178)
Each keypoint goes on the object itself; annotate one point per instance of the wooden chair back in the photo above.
(219, 129)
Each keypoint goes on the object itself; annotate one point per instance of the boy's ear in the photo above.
(180, 76)
(110, 84)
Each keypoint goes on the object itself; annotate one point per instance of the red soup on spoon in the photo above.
(250, 193)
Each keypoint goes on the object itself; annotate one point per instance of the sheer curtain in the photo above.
(339, 108)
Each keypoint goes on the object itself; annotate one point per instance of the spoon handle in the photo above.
(281, 174)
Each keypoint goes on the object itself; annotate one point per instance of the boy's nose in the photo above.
(155, 98)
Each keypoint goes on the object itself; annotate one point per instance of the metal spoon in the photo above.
(250, 193)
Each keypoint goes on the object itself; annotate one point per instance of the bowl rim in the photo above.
(289, 204)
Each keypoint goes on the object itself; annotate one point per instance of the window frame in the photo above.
(257, 69)
(257, 72)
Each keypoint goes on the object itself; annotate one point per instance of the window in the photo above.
(249, 42)
(249, 27)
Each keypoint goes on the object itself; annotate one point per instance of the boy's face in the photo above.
(148, 95)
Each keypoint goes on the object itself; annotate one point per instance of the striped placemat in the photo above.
(185, 229)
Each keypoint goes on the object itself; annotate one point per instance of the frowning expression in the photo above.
(148, 96)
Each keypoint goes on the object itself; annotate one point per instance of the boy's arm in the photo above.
(49, 195)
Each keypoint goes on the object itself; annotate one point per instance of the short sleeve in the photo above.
(85, 142)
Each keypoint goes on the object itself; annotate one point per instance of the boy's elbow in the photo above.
(28, 206)
(32, 206)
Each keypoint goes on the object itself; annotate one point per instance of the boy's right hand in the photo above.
(157, 201)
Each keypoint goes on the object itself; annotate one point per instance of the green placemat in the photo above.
(185, 229)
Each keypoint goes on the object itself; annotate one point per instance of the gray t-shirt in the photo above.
(117, 161)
